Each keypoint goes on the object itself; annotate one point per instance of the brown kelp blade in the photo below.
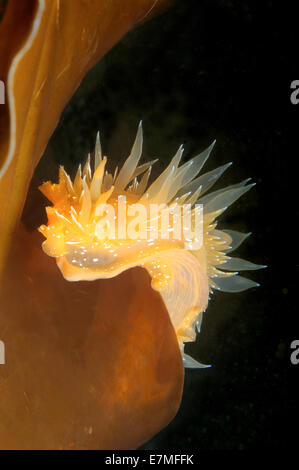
(46, 48)
(89, 365)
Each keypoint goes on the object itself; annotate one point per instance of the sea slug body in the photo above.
(102, 224)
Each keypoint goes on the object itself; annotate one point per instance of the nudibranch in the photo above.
(103, 223)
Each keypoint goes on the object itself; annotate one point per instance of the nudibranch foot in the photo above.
(102, 224)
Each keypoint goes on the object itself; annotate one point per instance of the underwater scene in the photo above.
(147, 150)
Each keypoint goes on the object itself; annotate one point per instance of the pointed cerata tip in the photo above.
(98, 139)
(210, 148)
(248, 187)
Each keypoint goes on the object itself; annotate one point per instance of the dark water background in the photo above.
(204, 70)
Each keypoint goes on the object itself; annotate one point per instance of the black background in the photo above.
(203, 70)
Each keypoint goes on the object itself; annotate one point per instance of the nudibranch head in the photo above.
(101, 224)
